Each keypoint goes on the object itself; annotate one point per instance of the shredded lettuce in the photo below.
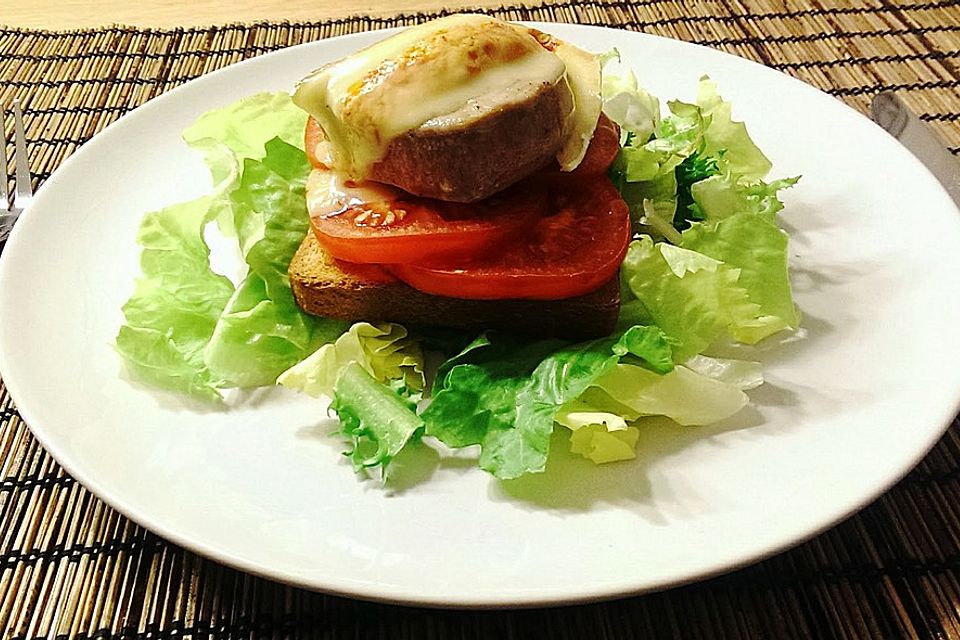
(692, 171)
(626, 103)
(696, 164)
(716, 197)
(647, 169)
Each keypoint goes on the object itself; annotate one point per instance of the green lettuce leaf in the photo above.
(682, 395)
(601, 445)
(597, 435)
(176, 303)
(701, 391)
(240, 130)
(692, 297)
(505, 395)
(727, 140)
(638, 164)
(743, 374)
(257, 338)
(475, 391)
(721, 196)
(649, 346)
(377, 420)
(757, 247)
(681, 133)
(270, 213)
(188, 328)
(629, 105)
(691, 172)
(384, 350)
(262, 332)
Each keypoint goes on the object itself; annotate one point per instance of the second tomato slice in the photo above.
(571, 251)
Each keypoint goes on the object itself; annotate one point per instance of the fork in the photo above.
(23, 192)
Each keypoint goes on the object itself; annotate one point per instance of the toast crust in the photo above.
(323, 287)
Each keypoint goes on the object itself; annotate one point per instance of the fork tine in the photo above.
(4, 178)
(22, 169)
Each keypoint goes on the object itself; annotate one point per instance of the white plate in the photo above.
(847, 409)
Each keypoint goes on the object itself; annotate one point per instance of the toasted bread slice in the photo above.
(323, 287)
(484, 147)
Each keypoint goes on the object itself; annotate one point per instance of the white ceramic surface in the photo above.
(849, 406)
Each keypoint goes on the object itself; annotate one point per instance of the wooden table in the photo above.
(73, 14)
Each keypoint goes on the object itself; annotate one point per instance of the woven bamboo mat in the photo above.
(71, 567)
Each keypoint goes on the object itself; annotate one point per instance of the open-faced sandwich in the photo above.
(587, 257)
(460, 180)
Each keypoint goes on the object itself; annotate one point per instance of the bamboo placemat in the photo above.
(72, 567)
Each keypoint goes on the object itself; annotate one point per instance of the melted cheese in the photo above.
(330, 194)
(366, 100)
(583, 76)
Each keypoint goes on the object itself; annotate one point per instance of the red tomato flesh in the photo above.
(372, 223)
(369, 272)
(603, 149)
(571, 251)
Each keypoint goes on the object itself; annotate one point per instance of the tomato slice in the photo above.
(369, 272)
(602, 150)
(375, 223)
(569, 252)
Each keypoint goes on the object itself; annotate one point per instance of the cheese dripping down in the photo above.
(433, 70)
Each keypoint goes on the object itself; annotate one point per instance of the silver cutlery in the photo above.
(23, 191)
(892, 114)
